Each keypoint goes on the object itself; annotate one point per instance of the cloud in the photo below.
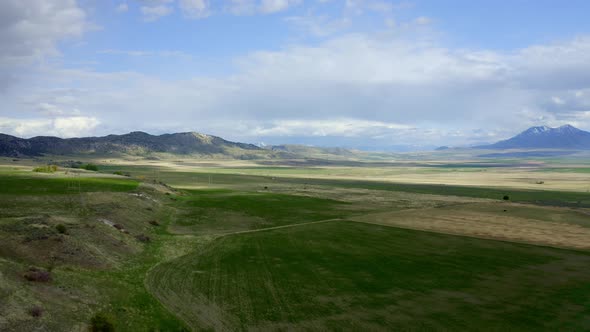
(122, 8)
(30, 32)
(195, 8)
(155, 2)
(154, 13)
(275, 6)
(380, 87)
(241, 7)
(60, 126)
(372, 88)
(30, 29)
(333, 127)
(320, 26)
(140, 53)
(252, 7)
(360, 6)
(422, 20)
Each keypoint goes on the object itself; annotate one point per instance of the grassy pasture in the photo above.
(238, 254)
(350, 276)
(220, 211)
(58, 185)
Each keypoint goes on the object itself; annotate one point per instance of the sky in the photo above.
(369, 74)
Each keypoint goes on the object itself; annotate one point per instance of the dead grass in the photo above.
(472, 220)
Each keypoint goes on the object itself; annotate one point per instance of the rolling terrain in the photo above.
(192, 244)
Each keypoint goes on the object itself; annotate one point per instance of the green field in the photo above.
(279, 251)
(350, 276)
(215, 212)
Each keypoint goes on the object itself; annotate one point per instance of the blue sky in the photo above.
(361, 73)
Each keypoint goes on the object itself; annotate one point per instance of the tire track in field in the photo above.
(207, 312)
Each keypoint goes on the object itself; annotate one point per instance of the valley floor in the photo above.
(243, 247)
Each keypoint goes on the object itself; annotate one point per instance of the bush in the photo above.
(36, 311)
(46, 169)
(90, 167)
(37, 275)
(61, 229)
(122, 173)
(101, 323)
(143, 238)
(154, 223)
(506, 197)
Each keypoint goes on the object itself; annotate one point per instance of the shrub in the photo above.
(46, 169)
(101, 323)
(37, 275)
(506, 197)
(61, 229)
(90, 167)
(143, 238)
(36, 311)
(154, 223)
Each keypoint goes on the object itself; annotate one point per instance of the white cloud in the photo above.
(350, 86)
(140, 53)
(557, 100)
(320, 26)
(154, 13)
(275, 6)
(122, 8)
(360, 6)
(195, 8)
(241, 7)
(332, 127)
(251, 7)
(60, 126)
(390, 23)
(375, 86)
(31, 29)
(155, 2)
(422, 20)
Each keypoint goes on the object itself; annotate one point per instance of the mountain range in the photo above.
(191, 143)
(135, 143)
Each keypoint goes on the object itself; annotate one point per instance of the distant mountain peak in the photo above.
(564, 137)
(536, 130)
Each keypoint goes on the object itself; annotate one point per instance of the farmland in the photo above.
(238, 245)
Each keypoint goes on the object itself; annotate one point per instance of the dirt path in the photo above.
(280, 227)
